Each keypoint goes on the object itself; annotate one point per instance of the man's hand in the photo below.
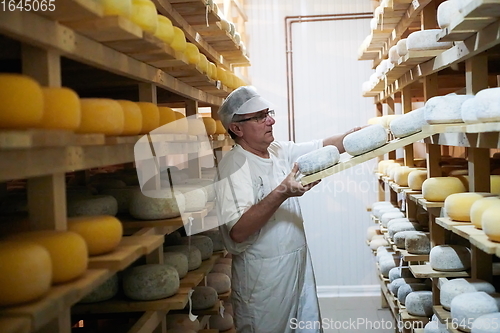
(289, 187)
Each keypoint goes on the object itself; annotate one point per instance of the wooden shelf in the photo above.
(413, 257)
(41, 312)
(15, 325)
(195, 277)
(444, 317)
(425, 271)
(347, 161)
(130, 249)
(39, 138)
(73, 10)
(129, 222)
(406, 317)
(212, 311)
(413, 58)
(481, 241)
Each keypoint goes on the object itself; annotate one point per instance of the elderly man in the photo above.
(273, 283)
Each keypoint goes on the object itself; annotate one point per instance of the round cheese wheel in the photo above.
(144, 15)
(191, 252)
(150, 282)
(150, 116)
(93, 205)
(22, 101)
(469, 110)
(27, 272)
(401, 175)
(167, 115)
(450, 258)
(386, 263)
(182, 321)
(221, 323)
(403, 226)
(378, 212)
(438, 188)
(489, 111)
(161, 206)
(478, 207)
(381, 165)
(195, 197)
(100, 115)
(393, 55)
(318, 160)
(488, 323)
(408, 124)
(365, 140)
(181, 122)
(459, 286)
(203, 63)
(178, 260)
(219, 129)
(446, 12)
(219, 281)
(376, 243)
(67, 249)
(165, 29)
(196, 127)
(408, 288)
(204, 297)
(400, 237)
(417, 243)
(210, 125)
(419, 303)
(400, 272)
(401, 47)
(102, 233)
(445, 109)
(222, 268)
(179, 41)
(212, 70)
(117, 7)
(391, 215)
(458, 205)
(123, 196)
(132, 117)
(394, 286)
(192, 53)
(467, 307)
(203, 243)
(372, 231)
(399, 220)
(426, 40)
(491, 223)
(105, 291)
(495, 184)
(61, 109)
(216, 238)
(387, 120)
(221, 74)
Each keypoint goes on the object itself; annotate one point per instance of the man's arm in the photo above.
(257, 216)
(337, 140)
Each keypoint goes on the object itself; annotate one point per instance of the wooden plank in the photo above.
(72, 10)
(348, 161)
(130, 223)
(482, 242)
(34, 138)
(59, 297)
(417, 57)
(449, 224)
(413, 257)
(15, 325)
(148, 322)
(194, 277)
(107, 29)
(425, 271)
(212, 311)
(444, 317)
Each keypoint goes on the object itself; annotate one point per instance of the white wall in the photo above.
(327, 83)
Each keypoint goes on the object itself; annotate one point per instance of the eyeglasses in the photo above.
(261, 118)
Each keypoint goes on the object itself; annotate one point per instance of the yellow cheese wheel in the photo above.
(375, 121)
(26, 272)
(117, 7)
(150, 117)
(212, 71)
(458, 205)
(438, 188)
(391, 168)
(192, 53)
(179, 41)
(167, 115)
(132, 117)
(477, 209)
(219, 129)
(386, 120)
(68, 252)
(21, 103)
(102, 233)
(144, 15)
(61, 109)
(196, 127)
(230, 80)
(100, 115)
(210, 125)
(203, 63)
(381, 165)
(495, 184)
(416, 178)
(165, 30)
(401, 175)
(221, 74)
(491, 223)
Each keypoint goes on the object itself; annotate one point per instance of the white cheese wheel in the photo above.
(372, 231)
(455, 287)
(365, 140)
(219, 281)
(93, 205)
(204, 297)
(381, 203)
(382, 252)
(17, 258)
(393, 55)
(203, 243)
(403, 226)
(408, 288)
(182, 321)
(195, 197)
(478, 207)
(446, 12)
(387, 120)
(450, 258)
(178, 260)
(419, 303)
(160, 206)
(216, 238)
(490, 111)
(381, 210)
(401, 47)
(400, 272)
(434, 327)
(191, 252)
(467, 307)
(416, 178)
(221, 323)
(318, 160)
(445, 109)
(439, 188)
(488, 323)
(491, 223)
(222, 268)
(458, 205)
(122, 196)
(409, 123)
(394, 221)
(105, 291)
(386, 217)
(400, 237)
(102, 233)
(206, 184)
(426, 40)
(417, 243)
(150, 282)
(469, 110)
(376, 243)
(386, 263)
(394, 285)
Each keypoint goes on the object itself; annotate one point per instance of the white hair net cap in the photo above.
(242, 100)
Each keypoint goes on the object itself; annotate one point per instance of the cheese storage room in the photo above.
(261, 166)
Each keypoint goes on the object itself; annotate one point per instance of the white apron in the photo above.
(273, 284)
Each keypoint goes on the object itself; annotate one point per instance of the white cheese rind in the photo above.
(160, 205)
(365, 140)
(445, 109)
(426, 40)
(455, 287)
(409, 123)
(318, 160)
(419, 303)
(150, 282)
(467, 307)
(450, 258)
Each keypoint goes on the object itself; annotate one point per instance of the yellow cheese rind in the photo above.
(167, 115)
(102, 233)
(438, 188)
(100, 115)
(144, 15)
(179, 41)
(165, 30)
(26, 272)
(132, 117)
(68, 252)
(192, 53)
(458, 205)
(117, 7)
(479, 207)
(416, 178)
(21, 101)
(210, 125)
(150, 117)
(61, 110)
(490, 221)
(219, 128)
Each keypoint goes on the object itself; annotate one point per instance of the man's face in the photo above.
(257, 127)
